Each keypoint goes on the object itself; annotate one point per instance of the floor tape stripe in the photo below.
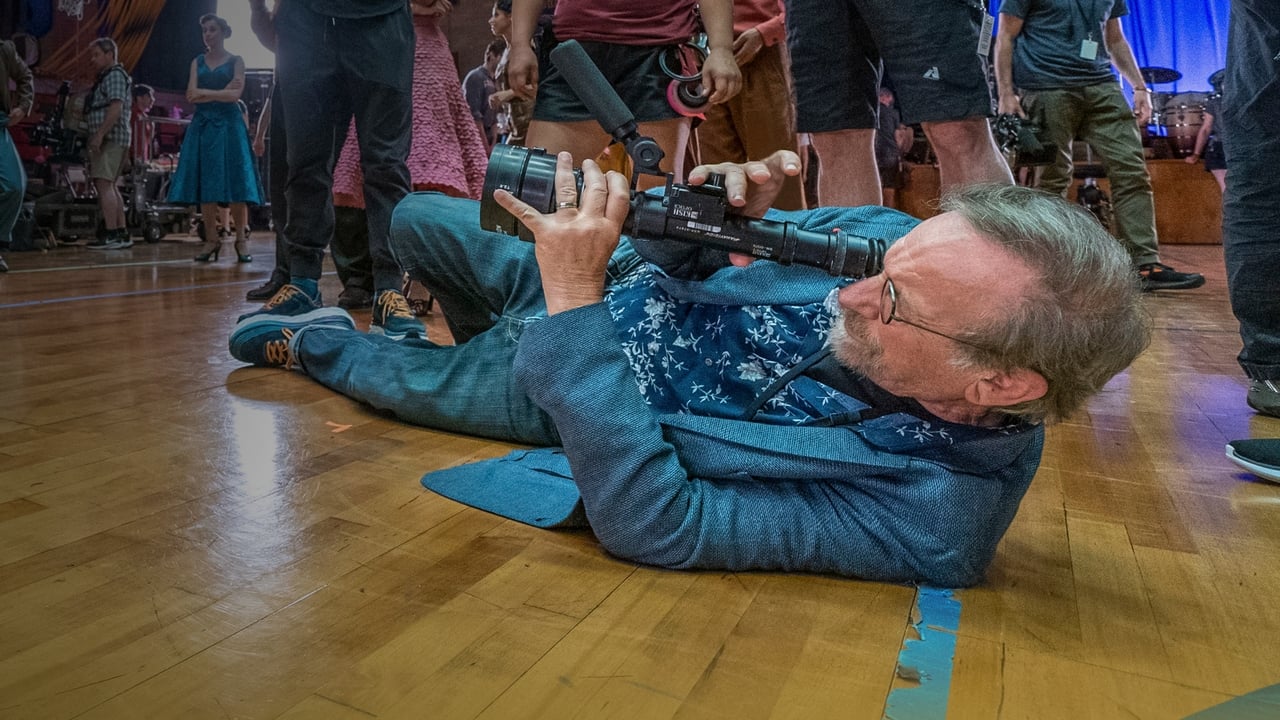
(928, 660)
(1262, 704)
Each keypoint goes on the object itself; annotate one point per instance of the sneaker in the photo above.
(99, 243)
(393, 318)
(264, 340)
(1264, 396)
(119, 241)
(1260, 457)
(288, 300)
(266, 290)
(1158, 276)
(355, 298)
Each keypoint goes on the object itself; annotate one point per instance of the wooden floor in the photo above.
(185, 537)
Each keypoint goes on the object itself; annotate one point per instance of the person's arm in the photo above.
(1202, 139)
(263, 24)
(1010, 28)
(260, 133)
(20, 74)
(232, 91)
(767, 34)
(720, 74)
(1124, 61)
(109, 120)
(522, 63)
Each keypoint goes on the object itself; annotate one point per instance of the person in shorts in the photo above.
(107, 112)
(626, 41)
(934, 56)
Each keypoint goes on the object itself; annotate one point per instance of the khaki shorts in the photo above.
(107, 162)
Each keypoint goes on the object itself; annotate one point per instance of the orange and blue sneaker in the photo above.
(393, 317)
(267, 340)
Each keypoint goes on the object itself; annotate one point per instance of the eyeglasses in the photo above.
(889, 313)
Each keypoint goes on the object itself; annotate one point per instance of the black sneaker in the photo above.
(355, 298)
(1264, 396)
(288, 300)
(1158, 276)
(393, 318)
(1260, 457)
(266, 290)
(265, 340)
(99, 243)
(119, 240)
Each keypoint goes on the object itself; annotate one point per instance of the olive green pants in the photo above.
(1100, 116)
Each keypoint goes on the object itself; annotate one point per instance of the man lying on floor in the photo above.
(715, 413)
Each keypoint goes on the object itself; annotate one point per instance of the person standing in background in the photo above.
(761, 118)
(107, 109)
(15, 106)
(479, 85)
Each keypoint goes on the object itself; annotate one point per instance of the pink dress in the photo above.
(447, 151)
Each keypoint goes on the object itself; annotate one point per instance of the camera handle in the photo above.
(609, 110)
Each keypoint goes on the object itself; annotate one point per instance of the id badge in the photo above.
(984, 37)
(1089, 49)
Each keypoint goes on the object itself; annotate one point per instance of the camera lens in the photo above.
(527, 173)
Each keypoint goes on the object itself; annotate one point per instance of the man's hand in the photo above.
(575, 242)
(16, 116)
(721, 76)
(1142, 106)
(766, 175)
(746, 46)
(259, 146)
(1009, 104)
(522, 72)
(95, 143)
(752, 186)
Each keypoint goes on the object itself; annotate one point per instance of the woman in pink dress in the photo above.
(447, 153)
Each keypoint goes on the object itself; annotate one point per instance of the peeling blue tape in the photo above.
(927, 660)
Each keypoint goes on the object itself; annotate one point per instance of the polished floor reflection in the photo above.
(182, 536)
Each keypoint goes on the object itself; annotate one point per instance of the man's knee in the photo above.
(970, 137)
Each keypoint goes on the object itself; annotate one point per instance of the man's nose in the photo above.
(862, 297)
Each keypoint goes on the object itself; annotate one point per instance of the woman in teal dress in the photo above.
(216, 164)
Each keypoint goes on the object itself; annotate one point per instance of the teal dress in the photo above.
(216, 164)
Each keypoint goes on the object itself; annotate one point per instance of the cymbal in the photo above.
(1215, 79)
(1159, 75)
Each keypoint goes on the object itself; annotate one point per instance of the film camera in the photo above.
(1021, 141)
(693, 214)
(65, 144)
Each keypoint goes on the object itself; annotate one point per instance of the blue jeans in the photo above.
(489, 288)
(13, 183)
(1251, 204)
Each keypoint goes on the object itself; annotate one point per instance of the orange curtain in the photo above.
(128, 22)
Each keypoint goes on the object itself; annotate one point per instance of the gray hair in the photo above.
(1083, 321)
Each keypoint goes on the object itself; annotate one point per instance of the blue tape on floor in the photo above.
(927, 660)
(1261, 704)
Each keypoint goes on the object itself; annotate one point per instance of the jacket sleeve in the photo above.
(20, 74)
(645, 505)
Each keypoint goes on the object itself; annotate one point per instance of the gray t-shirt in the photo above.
(1057, 38)
(352, 9)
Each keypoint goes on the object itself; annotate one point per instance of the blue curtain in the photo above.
(1189, 36)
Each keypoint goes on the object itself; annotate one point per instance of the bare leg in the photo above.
(1221, 177)
(110, 202)
(847, 174)
(966, 153)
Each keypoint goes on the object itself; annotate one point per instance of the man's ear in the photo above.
(1005, 388)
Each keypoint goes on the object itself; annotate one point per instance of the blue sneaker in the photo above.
(264, 340)
(288, 300)
(393, 318)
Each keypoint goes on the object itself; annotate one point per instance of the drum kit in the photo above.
(1178, 116)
